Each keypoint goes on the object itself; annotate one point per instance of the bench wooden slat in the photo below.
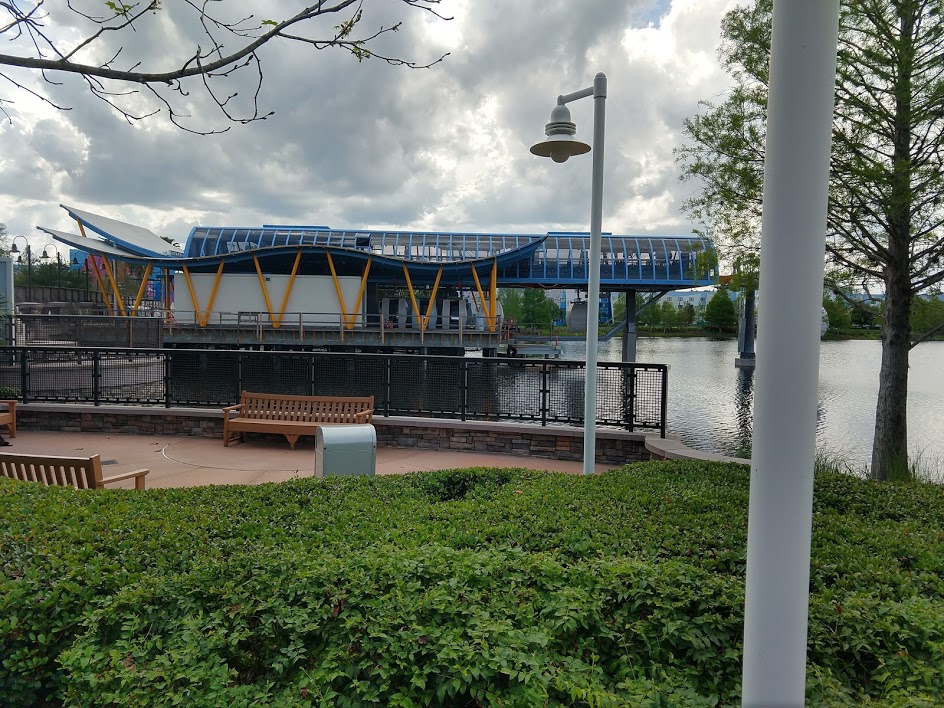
(293, 416)
(77, 472)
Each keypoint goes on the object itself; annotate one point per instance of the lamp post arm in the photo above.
(567, 98)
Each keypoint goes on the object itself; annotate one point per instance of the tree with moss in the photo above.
(94, 42)
(886, 201)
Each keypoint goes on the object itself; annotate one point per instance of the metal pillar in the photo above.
(746, 356)
(796, 185)
(629, 328)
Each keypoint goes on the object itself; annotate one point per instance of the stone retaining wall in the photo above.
(554, 442)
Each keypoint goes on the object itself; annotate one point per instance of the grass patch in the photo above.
(458, 588)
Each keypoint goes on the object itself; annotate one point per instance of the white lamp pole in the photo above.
(796, 184)
(559, 146)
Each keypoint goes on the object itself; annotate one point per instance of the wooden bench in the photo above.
(8, 417)
(292, 416)
(78, 472)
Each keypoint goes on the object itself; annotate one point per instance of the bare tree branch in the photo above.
(32, 32)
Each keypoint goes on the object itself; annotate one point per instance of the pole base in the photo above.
(745, 362)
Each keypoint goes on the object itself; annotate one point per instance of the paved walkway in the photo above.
(194, 462)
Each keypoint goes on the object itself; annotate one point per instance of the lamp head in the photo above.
(14, 249)
(560, 143)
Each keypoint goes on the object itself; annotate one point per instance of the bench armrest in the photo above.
(138, 476)
(364, 416)
(232, 408)
(11, 405)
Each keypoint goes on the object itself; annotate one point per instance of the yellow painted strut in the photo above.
(416, 309)
(142, 289)
(432, 299)
(114, 285)
(265, 291)
(288, 288)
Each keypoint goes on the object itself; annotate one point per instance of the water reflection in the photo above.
(711, 401)
(744, 411)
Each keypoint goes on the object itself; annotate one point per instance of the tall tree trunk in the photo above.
(890, 445)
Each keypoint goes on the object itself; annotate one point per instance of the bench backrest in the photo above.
(319, 409)
(78, 472)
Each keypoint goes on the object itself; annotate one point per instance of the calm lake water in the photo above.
(711, 401)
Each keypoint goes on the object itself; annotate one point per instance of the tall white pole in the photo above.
(593, 275)
(796, 178)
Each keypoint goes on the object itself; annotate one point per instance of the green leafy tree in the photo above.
(70, 38)
(650, 316)
(510, 299)
(668, 315)
(538, 309)
(886, 206)
(720, 312)
(838, 312)
(687, 315)
(927, 315)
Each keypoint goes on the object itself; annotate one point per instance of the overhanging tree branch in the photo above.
(42, 52)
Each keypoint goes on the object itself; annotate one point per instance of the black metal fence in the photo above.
(631, 396)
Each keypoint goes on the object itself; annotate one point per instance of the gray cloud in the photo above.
(367, 144)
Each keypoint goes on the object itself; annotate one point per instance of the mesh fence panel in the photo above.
(266, 372)
(131, 376)
(566, 382)
(647, 408)
(202, 378)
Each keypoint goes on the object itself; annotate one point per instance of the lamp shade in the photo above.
(560, 143)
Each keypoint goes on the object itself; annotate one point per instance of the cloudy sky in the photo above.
(367, 145)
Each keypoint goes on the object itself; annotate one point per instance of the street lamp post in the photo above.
(29, 264)
(75, 262)
(45, 257)
(560, 145)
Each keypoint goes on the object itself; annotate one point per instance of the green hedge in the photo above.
(460, 588)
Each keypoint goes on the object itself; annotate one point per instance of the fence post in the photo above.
(311, 373)
(387, 376)
(165, 355)
(464, 390)
(24, 375)
(630, 383)
(239, 378)
(545, 392)
(96, 377)
(665, 399)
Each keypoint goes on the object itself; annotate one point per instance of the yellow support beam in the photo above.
(98, 275)
(142, 289)
(478, 286)
(265, 290)
(216, 285)
(114, 285)
(288, 288)
(193, 295)
(432, 298)
(416, 308)
(360, 292)
(337, 288)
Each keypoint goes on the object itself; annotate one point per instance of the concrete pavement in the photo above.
(194, 462)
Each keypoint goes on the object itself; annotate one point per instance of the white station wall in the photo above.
(313, 295)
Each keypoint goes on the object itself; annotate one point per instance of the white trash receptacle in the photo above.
(345, 450)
